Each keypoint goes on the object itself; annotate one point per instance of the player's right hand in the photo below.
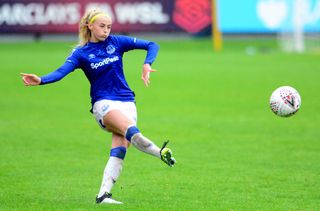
(30, 79)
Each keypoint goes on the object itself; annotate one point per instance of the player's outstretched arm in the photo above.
(146, 70)
(30, 79)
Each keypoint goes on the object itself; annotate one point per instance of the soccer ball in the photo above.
(285, 101)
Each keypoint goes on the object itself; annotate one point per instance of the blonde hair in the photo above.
(84, 31)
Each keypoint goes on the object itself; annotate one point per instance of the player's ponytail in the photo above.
(84, 31)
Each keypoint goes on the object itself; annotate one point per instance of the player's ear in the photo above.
(90, 26)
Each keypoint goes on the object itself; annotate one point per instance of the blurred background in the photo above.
(295, 24)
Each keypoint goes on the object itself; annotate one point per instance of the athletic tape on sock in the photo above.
(131, 131)
(119, 152)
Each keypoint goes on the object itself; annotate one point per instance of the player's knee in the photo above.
(131, 131)
(119, 152)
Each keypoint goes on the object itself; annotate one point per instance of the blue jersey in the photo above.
(101, 62)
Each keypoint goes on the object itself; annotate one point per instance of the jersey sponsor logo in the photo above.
(110, 49)
(104, 62)
(91, 56)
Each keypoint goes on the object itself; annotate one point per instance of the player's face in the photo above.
(100, 29)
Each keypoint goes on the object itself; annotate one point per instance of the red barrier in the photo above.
(61, 16)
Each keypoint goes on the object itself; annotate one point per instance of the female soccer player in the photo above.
(99, 55)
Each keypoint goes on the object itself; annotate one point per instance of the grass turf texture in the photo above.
(233, 153)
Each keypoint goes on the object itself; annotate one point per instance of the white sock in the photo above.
(111, 173)
(145, 145)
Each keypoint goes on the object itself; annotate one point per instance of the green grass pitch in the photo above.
(233, 153)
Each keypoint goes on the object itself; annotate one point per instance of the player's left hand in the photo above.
(146, 74)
